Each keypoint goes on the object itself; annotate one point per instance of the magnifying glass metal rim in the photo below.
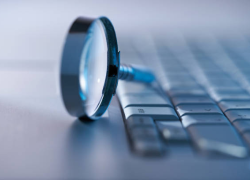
(70, 83)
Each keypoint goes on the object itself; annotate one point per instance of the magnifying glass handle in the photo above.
(135, 73)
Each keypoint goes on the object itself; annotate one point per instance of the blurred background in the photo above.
(35, 30)
(32, 33)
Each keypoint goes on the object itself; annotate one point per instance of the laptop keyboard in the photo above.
(201, 100)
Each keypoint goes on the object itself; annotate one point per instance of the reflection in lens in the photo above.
(93, 67)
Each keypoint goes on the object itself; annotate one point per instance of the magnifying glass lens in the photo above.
(93, 67)
(90, 68)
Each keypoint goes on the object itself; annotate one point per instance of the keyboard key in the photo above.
(144, 135)
(234, 115)
(242, 126)
(187, 92)
(234, 105)
(180, 85)
(198, 109)
(218, 80)
(157, 113)
(221, 83)
(140, 132)
(173, 68)
(148, 99)
(186, 100)
(168, 61)
(231, 97)
(163, 75)
(217, 88)
(211, 78)
(125, 87)
(188, 120)
(210, 71)
(213, 139)
(228, 91)
(178, 78)
(215, 75)
(147, 148)
(207, 65)
(183, 86)
(172, 131)
(139, 121)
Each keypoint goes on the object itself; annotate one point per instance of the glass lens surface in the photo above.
(93, 67)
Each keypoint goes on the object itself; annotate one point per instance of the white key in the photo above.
(192, 100)
(198, 109)
(148, 99)
(234, 105)
(133, 87)
(187, 92)
(242, 126)
(231, 97)
(157, 113)
(172, 131)
(217, 83)
(234, 115)
(203, 119)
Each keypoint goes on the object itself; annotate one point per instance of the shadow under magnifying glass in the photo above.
(83, 146)
(92, 148)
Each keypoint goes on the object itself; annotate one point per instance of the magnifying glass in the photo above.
(90, 68)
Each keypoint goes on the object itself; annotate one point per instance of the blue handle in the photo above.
(136, 73)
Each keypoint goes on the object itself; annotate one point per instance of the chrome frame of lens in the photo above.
(70, 83)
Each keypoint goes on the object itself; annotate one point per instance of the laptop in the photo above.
(192, 123)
